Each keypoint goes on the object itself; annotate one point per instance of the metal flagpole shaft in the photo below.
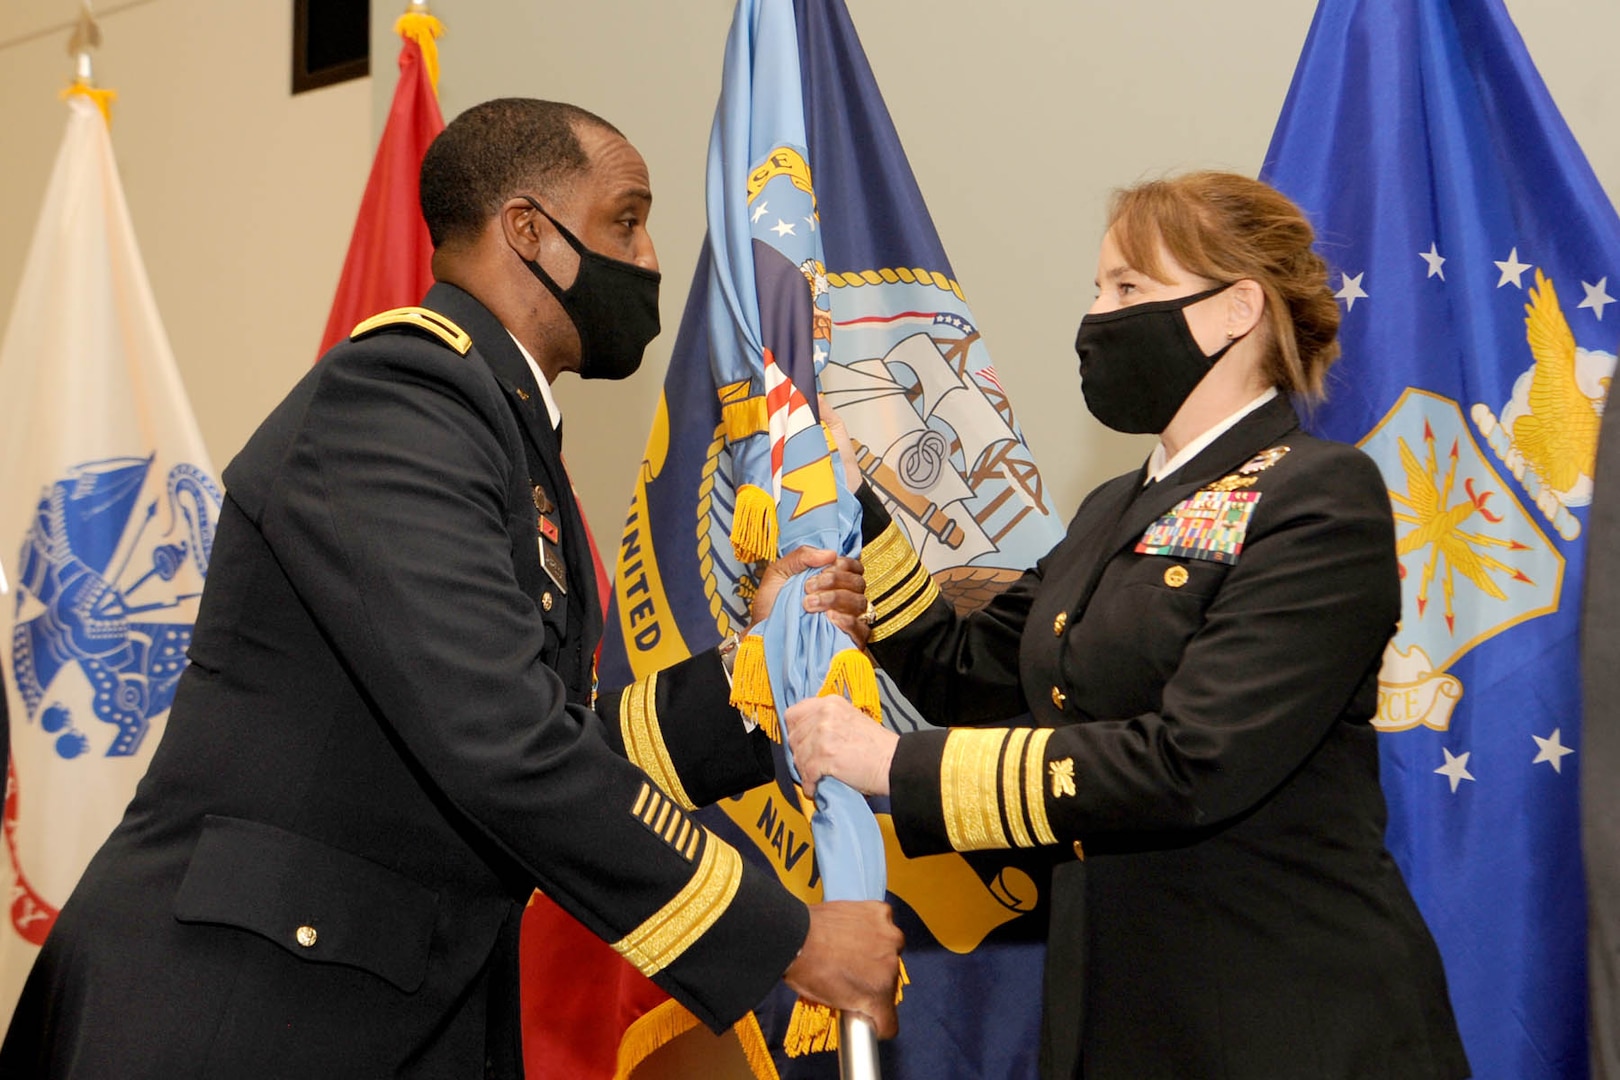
(857, 1049)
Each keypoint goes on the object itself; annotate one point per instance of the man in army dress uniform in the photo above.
(385, 740)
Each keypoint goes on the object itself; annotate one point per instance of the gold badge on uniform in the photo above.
(542, 504)
(1062, 772)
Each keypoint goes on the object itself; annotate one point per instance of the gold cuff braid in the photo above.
(969, 791)
(899, 586)
(660, 941)
(644, 739)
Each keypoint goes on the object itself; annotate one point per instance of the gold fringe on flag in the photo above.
(753, 525)
(425, 30)
(751, 686)
(850, 674)
(813, 1027)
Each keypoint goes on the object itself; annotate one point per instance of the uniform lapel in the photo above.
(492, 342)
(1255, 432)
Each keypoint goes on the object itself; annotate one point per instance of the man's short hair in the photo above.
(494, 151)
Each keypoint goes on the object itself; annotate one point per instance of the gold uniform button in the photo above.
(1079, 852)
(1175, 576)
(1059, 697)
(546, 601)
(1059, 623)
(306, 936)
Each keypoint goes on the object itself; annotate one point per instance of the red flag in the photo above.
(390, 261)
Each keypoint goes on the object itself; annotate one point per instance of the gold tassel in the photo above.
(812, 1028)
(751, 686)
(425, 30)
(900, 987)
(850, 674)
(753, 525)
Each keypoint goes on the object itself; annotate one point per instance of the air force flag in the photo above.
(1475, 255)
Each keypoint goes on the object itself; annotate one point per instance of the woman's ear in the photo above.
(1246, 304)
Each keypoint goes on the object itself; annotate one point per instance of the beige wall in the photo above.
(243, 196)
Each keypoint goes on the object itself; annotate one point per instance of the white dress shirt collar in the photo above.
(1159, 468)
(545, 386)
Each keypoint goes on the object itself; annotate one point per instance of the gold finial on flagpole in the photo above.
(87, 36)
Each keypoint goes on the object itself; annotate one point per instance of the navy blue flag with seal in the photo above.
(1474, 252)
(897, 353)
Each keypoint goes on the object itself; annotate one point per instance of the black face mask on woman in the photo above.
(613, 305)
(1138, 364)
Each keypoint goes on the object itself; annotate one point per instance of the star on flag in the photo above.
(1597, 297)
(1512, 270)
(783, 228)
(1456, 768)
(759, 212)
(1552, 750)
(1350, 290)
(1435, 261)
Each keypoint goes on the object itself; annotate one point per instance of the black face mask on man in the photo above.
(613, 305)
(1138, 364)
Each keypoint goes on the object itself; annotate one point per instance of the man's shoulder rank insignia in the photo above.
(418, 319)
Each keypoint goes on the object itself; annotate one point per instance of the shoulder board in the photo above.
(416, 318)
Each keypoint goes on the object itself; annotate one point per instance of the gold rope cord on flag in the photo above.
(906, 274)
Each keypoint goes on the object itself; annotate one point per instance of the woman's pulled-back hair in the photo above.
(1227, 227)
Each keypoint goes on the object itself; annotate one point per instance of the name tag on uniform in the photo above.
(1210, 525)
(551, 562)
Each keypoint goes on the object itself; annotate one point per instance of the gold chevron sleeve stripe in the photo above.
(660, 941)
(1035, 786)
(1011, 789)
(644, 739)
(969, 787)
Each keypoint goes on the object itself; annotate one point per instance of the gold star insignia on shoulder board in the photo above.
(1264, 460)
(1234, 482)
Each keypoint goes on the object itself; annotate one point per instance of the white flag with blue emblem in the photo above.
(107, 509)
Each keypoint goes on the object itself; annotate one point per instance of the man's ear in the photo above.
(522, 226)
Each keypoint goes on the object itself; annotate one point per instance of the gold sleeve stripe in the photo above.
(1035, 786)
(660, 941)
(887, 559)
(899, 585)
(644, 739)
(654, 802)
(672, 828)
(682, 836)
(663, 816)
(691, 845)
(968, 789)
(1011, 788)
(641, 799)
(887, 625)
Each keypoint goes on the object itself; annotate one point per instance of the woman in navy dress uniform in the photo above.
(1199, 660)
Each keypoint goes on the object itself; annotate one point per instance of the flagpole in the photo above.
(857, 1049)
